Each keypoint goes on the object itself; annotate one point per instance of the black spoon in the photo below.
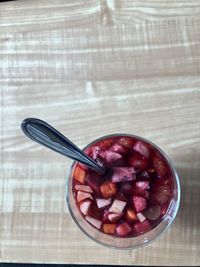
(42, 133)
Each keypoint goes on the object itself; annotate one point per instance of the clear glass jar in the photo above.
(129, 242)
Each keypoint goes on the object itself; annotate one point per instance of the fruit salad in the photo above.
(132, 196)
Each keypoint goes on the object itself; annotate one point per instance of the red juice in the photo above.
(134, 194)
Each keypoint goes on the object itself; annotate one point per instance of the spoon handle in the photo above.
(43, 133)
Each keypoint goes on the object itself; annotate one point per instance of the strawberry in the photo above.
(101, 202)
(139, 163)
(83, 195)
(142, 148)
(117, 206)
(108, 189)
(119, 148)
(139, 203)
(142, 228)
(130, 215)
(85, 206)
(80, 174)
(109, 228)
(160, 167)
(123, 229)
(96, 223)
(84, 188)
(123, 174)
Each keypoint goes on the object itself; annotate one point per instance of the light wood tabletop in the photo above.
(92, 68)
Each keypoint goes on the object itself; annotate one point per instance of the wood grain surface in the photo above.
(92, 68)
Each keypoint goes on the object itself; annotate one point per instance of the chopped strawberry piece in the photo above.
(117, 206)
(141, 193)
(139, 203)
(94, 180)
(143, 227)
(101, 202)
(85, 206)
(139, 163)
(142, 185)
(119, 148)
(160, 167)
(84, 188)
(130, 215)
(114, 217)
(126, 141)
(126, 188)
(153, 212)
(83, 195)
(96, 223)
(123, 229)
(142, 148)
(108, 189)
(80, 174)
(141, 217)
(123, 174)
(109, 228)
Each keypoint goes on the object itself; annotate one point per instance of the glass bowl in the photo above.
(125, 242)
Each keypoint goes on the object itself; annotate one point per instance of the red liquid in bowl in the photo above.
(135, 193)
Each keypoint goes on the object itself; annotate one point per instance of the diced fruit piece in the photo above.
(110, 156)
(153, 212)
(114, 217)
(126, 141)
(117, 206)
(85, 206)
(160, 167)
(106, 144)
(143, 227)
(84, 188)
(130, 215)
(108, 189)
(141, 217)
(141, 193)
(119, 148)
(139, 203)
(83, 195)
(94, 152)
(161, 193)
(82, 166)
(94, 180)
(142, 185)
(142, 148)
(123, 229)
(109, 228)
(139, 163)
(96, 223)
(80, 174)
(101, 202)
(126, 188)
(123, 174)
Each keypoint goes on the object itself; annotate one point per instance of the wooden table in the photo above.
(92, 68)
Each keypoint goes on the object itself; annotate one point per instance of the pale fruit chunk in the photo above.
(85, 206)
(85, 188)
(96, 223)
(141, 217)
(117, 206)
(101, 202)
(114, 217)
(142, 148)
(83, 195)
